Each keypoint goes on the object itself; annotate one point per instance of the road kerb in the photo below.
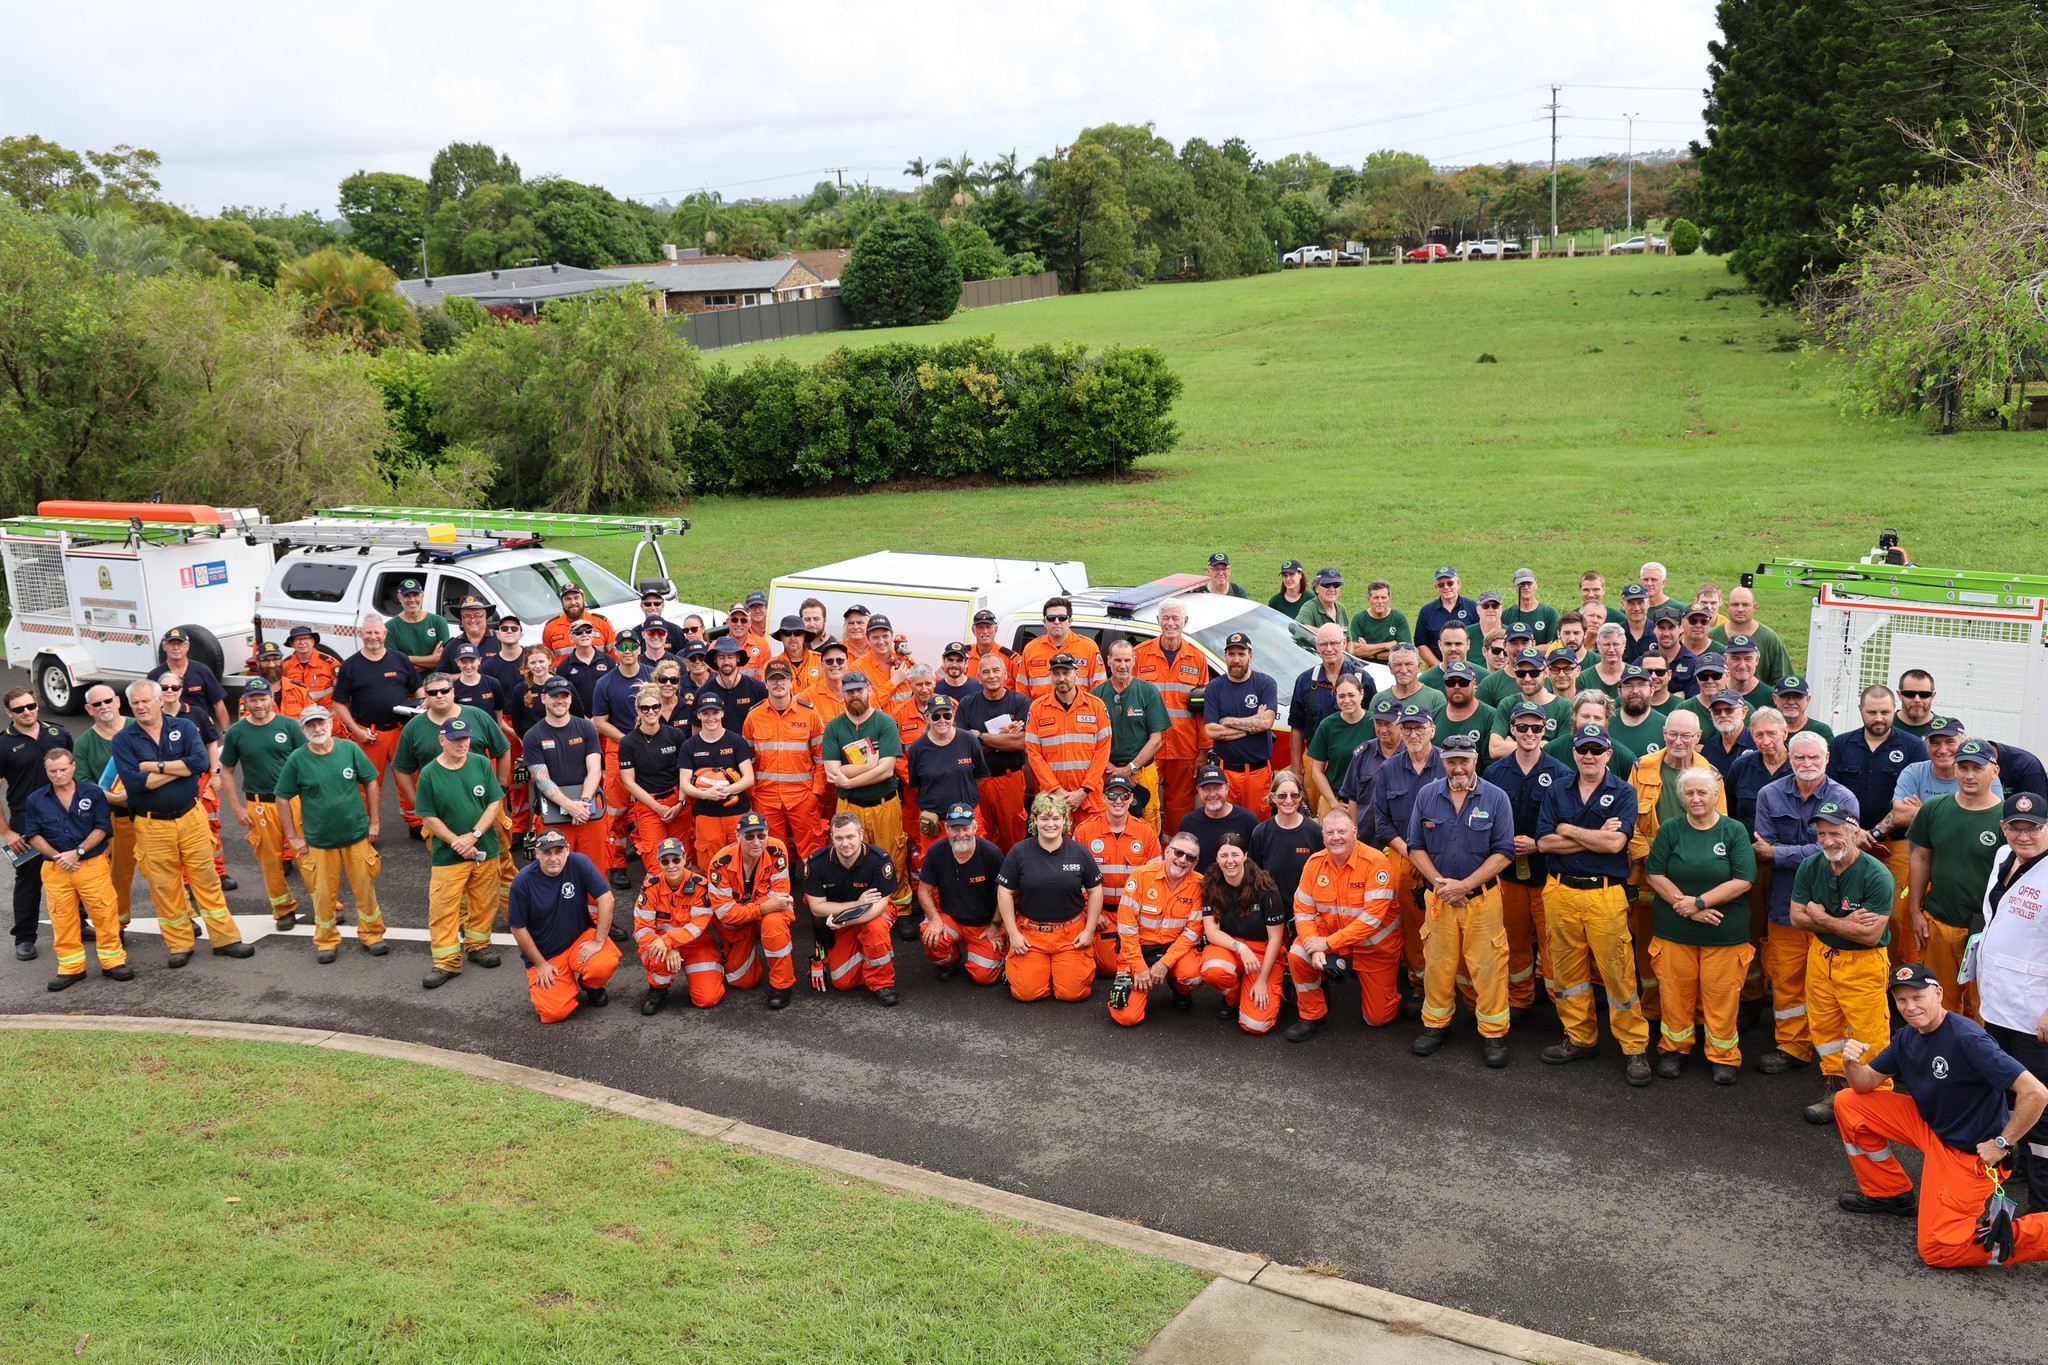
(1346, 1296)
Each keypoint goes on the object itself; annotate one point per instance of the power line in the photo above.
(1397, 118)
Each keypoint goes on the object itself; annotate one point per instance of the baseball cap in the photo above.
(582, 628)
(1701, 610)
(1727, 696)
(1446, 572)
(857, 609)
(854, 678)
(1975, 751)
(549, 841)
(1117, 782)
(1385, 707)
(406, 585)
(757, 598)
(696, 649)
(791, 625)
(667, 848)
(1914, 975)
(1527, 710)
(1741, 644)
(567, 588)
(1520, 630)
(1710, 663)
(648, 628)
(322, 713)
(1634, 592)
(753, 822)
(1535, 657)
(1490, 598)
(1792, 685)
(1563, 654)
(709, 701)
(1633, 673)
(1591, 736)
(257, 687)
(1943, 725)
(1835, 813)
(1211, 776)
(1458, 668)
(1237, 639)
(955, 650)
(984, 618)
(1063, 660)
(879, 622)
(1523, 576)
(1467, 744)
(556, 684)
(300, 633)
(466, 652)
(778, 668)
(1415, 714)
(1291, 566)
(959, 813)
(1219, 560)
(941, 703)
(456, 728)
(176, 634)
(1329, 578)
(2025, 808)
(270, 651)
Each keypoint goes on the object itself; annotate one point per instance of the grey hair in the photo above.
(1707, 776)
(1611, 629)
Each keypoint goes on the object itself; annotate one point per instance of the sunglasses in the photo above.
(1055, 620)
(1527, 729)
(166, 687)
(669, 682)
(23, 709)
(1287, 796)
(440, 691)
(672, 860)
(756, 834)
(1657, 672)
(1528, 672)
(1181, 854)
(1457, 682)
(1590, 749)
(1916, 696)
(649, 706)
(103, 701)
(508, 625)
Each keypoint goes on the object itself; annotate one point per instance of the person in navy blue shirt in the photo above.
(560, 913)
(2019, 771)
(24, 742)
(474, 687)
(1678, 660)
(1449, 606)
(69, 824)
(1460, 838)
(1525, 777)
(1868, 762)
(1238, 711)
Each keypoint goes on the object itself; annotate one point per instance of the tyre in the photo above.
(205, 648)
(55, 691)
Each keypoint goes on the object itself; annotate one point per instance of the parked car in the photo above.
(1350, 258)
(1308, 255)
(1635, 244)
(1429, 251)
(1490, 247)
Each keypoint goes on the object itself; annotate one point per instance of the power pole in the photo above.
(1553, 107)
(839, 172)
(1631, 171)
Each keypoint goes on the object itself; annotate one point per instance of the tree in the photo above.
(305, 230)
(387, 214)
(1425, 204)
(93, 230)
(1230, 234)
(252, 255)
(700, 219)
(1093, 229)
(979, 257)
(953, 177)
(460, 167)
(33, 169)
(585, 226)
(347, 295)
(1171, 214)
(1003, 170)
(902, 272)
(1303, 220)
(917, 170)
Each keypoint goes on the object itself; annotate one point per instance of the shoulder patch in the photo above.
(805, 702)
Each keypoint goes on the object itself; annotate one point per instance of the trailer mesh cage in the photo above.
(35, 576)
(1986, 664)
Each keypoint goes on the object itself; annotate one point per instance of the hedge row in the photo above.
(941, 411)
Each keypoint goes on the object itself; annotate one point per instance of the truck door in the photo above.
(450, 587)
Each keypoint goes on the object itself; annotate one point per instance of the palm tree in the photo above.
(953, 176)
(116, 245)
(350, 295)
(918, 169)
(701, 218)
(1002, 171)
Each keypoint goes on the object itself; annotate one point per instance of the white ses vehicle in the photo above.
(94, 586)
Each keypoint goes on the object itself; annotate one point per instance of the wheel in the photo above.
(54, 688)
(205, 648)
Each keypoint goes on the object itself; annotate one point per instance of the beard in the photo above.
(962, 843)
(1461, 782)
(1731, 727)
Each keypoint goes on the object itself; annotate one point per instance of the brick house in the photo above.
(701, 286)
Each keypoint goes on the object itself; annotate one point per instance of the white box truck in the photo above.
(930, 599)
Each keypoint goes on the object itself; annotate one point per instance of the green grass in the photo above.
(1341, 417)
(183, 1200)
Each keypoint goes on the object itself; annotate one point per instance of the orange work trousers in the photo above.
(1521, 910)
(712, 833)
(1642, 925)
(793, 818)
(1181, 979)
(703, 969)
(1759, 932)
(1846, 997)
(91, 888)
(557, 1002)
(1701, 981)
(382, 747)
(1176, 792)
(1378, 969)
(864, 955)
(590, 838)
(124, 864)
(1002, 808)
(462, 901)
(1953, 1184)
(1454, 935)
(209, 800)
(360, 863)
(1051, 964)
(977, 947)
(1252, 789)
(1225, 970)
(754, 945)
(618, 810)
(649, 830)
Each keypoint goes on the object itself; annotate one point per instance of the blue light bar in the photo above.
(1126, 602)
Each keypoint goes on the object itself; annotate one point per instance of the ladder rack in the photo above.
(87, 530)
(1905, 583)
(505, 522)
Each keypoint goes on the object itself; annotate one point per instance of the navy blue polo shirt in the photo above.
(1393, 794)
(1873, 774)
(178, 742)
(2020, 771)
(1315, 697)
(1224, 699)
(1635, 646)
(1613, 799)
(1432, 618)
(66, 826)
(1746, 777)
(21, 763)
(201, 685)
(613, 698)
(1366, 761)
(1716, 753)
(1459, 840)
(1525, 793)
(486, 694)
(1682, 661)
(1958, 1078)
(370, 689)
(555, 910)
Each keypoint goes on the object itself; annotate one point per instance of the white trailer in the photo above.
(931, 599)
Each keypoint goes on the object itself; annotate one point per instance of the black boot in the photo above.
(656, 998)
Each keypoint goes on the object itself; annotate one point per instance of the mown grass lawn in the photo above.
(1637, 409)
(184, 1200)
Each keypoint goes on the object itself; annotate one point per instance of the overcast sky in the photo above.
(274, 104)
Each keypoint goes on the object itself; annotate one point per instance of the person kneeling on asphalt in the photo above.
(849, 885)
(1955, 1111)
(956, 888)
(1049, 895)
(1345, 923)
(561, 917)
(1461, 837)
(1244, 928)
(750, 896)
(672, 929)
(1159, 929)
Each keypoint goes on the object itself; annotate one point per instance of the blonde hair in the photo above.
(1052, 801)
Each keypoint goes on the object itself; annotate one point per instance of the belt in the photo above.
(1243, 767)
(1591, 883)
(1045, 928)
(262, 796)
(178, 814)
(395, 725)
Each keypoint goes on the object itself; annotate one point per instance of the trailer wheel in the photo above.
(54, 688)
(205, 648)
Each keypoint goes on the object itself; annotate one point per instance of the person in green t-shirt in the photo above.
(1597, 708)
(416, 632)
(1527, 612)
(860, 749)
(1325, 610)
(419, 744)
(1294, 593)
(1138, 723)
(1379, 627)
(1454, 643)
(458, 798)
(1337, 738)
(1462, 712)
(257, 745)
(321, 790)
(1529, 668)
(1700, 869)
(1791, 696)
(1635, 722)
(1844, 898)
(1953, 840)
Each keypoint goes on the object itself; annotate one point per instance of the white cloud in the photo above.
(275, 104)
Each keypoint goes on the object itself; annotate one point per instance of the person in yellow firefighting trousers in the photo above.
(321, 785)
(68, 823)
(160, 760)
(674, 933)
(1460, 837)
(1585, 827)
(1843, 897)
(252, 753)
(457, 797)
(1700, 869)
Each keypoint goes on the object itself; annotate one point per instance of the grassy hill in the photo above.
(1637, 408)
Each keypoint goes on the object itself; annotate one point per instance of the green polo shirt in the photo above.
(92, 754)
(1134, 717)
(1311, 615)
(330, 791)
(260, 751)
(457, 797)
(1428, 698)
(1814, 727)
(1540, 619)
(1335, 741)
(1433, 677)
(1866, 884)
(1497, 689)
(1278, 602)
(1589, 677)
(419, 743)
(424, 636)
(1378, 630)
(1642, 737)
(1773, 661)
(1697, 861)
(1963, 843)
(881, 731)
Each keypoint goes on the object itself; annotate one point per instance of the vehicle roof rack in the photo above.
(505, 522)
(1905, 583)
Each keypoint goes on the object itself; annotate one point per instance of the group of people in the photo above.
(1636, 806)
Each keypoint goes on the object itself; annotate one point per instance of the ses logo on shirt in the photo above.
(477, 790)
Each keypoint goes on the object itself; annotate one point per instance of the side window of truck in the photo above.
(1025, 635)
(452, 588)
(317, 581)
(384, 601)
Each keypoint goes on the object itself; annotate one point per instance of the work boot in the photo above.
(1638, 1071)
(324, 957)
(1777, 1061)
(597, 997)
(64, 982)
(945, 973)
(377, 949)
(1669, 1064)
(484, 957)
(1517, 1013)
(1725, 1075)
(283, 923)
(1822, 1111)
(620, 879)
(1557, 1054)
(1495, 1051)
(437, 978)
(91, 934)
(24, 950)
(1748, 1015)
(886, 997)
(1411, 1007)
(1427, 1042)
(908, 929)
(1183, 1002)
(124, 972)
(1226, 1011)
(234, 950)
(618, 933)
(227, 883)
(177, 960)
(1304, 1029)
(656, 997)
(1901, 1205)
(778, 999)
(416, 833)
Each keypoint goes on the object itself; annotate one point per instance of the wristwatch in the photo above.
(2000, 1143)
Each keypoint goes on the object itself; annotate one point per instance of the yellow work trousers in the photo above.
(1411, 918)
(176, 854)
(323, 869)
(1642, 921)
(1146, 779)
(1784, 957)
(1589, 928)
(1944, 956)
(1898, 860)
(1701, 982)
(266, 840)
(1521, 911)
(1845, 998)
(883, 827)
(91, 886)
(508, 865)
(1759, 931)
(1453, 935)
(123, 870)
(462, 900)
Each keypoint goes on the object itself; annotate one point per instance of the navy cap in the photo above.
(1563, 654)
(1219, 560)
(466, 652)
(300, 633)
(1527, 710)
(1728, 696)
(557, 685)
(406, 585)
(256, 687)
(1329, 578)
(1520, 630)
(709, 701)
(960, 813)
(571, 588)
(1291, 566)
(854, 678)
(1211, 776)
(669, 848)
(1913, 975)
(648, 628)
(1117, 782)
(653, 587)
(1458, 669)
(1490, 598)
(753, 822)
(1742, 644)
(757, 598)
(880, 622)
(941, 703)
(1446, 572)
(1415, 714)
(1385, 707)
(550, 840)
(270, 651)
(1710, 663)
(1792, 685)
(857, 609)
(1943, 725)
(176, 635)
(695, 649)
(1834, 813)
(1535, 657)
(1063, 660)
(791, 625)
(2025, 808)
(1635, 592)
(956, 649)
(456, 728)
(1237, 639)
(1591, 736)
(727, 645)
(984, 617)
(1465, 743)
(1975, 751)
(1633, 673)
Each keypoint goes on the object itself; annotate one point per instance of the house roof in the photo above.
(518, 280)
(543, 292)
(697, 277)
(826, 265)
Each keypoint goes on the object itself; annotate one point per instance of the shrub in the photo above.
(958, 409)
(902, 271)
(1685, 238)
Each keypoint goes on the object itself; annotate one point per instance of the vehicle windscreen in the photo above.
(533, 592)
(1281, 648)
